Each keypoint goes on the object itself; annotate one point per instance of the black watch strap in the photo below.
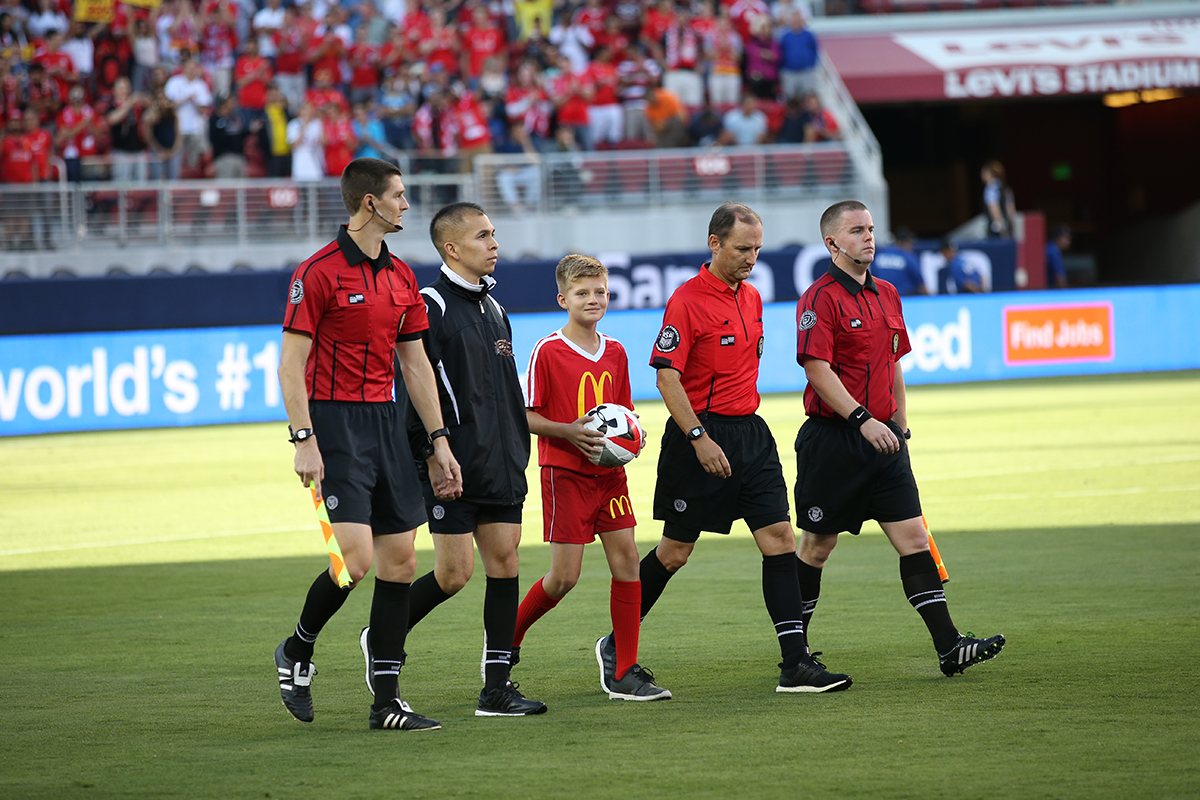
(695, 433)
(300, 435)
(438, 434)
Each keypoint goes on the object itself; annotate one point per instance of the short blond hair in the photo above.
(574, 267)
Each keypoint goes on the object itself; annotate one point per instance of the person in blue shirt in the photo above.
(954, 277)
(370, 133)
(897, 264)
(799, 53)
(1058, 241)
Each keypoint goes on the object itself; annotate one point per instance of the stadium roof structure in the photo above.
(1016, 54)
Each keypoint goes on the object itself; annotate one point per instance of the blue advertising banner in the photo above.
(145, 379)
(153, 302)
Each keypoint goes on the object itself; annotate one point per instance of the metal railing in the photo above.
(551, 182)
(90, 215)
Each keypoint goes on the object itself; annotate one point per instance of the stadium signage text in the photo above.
(1031, 80)
(1054, 333)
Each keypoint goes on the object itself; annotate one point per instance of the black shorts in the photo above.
(370, 477)
(690, 500)
(465, 516)
(842, 480)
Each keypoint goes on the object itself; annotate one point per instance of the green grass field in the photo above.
(147, 577)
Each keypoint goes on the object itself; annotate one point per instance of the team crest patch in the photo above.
(668, 339)
(807, 320)
(760, 346)
(297, 292)
(856, 323)
(439, 512)
(895, 343)
(331, 502)
(816, 514)
(727, 341)
(681, 506)
(503, 347)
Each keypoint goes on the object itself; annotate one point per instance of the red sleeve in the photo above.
(816, 317)
(905, 346)
(308, 297)
(623, 389)
(539, 381)
(675, 339)
(415, 318)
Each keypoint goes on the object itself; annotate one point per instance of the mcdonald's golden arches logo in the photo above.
(619, 506)
(597, 390)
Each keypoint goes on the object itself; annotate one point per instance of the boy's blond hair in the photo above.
(574, 267)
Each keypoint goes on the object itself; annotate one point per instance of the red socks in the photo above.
(625, 604)
(532, 608)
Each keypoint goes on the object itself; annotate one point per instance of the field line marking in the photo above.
(156, 540)
(1083, 493)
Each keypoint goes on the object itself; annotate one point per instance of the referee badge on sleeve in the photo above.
(760, 346)
(297, 292)
(807, 320)
(668, 339)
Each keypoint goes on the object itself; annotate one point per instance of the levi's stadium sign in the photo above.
(1021, 61)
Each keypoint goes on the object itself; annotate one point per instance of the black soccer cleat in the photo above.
(399, 716)
(968, 652)
(810, 675)
(606, 658)
(506, 701)
(637, 684)
(295, 680)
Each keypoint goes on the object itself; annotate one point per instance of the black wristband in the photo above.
(438, 434)
(907, 433)
(300, 435)
(859, 416)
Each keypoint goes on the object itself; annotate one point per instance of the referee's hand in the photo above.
(712, 457)
(881, 437)
(309, 465)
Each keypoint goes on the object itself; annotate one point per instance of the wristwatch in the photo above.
(300, 435)
(695, 433)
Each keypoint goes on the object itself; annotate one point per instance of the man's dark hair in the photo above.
(729, 214)
(1059, 231)
(833, 215)
(448, 218)
(364, 176)
(903, 234)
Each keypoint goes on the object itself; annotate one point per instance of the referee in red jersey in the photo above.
(350, 307)
(718, 461)
(852, 459)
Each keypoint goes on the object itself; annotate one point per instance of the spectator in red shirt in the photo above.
(441, 46)
(606, 116)
(363, 59)
(16, 157)
(218, 43)
(325, 51)
(682, 59)
(526, 104)
(482, 39)
(42, 94)
(474, 133)
(76, 136)
(252, 76)
(340, 141)
(324, 92)
(41, 144)
(58, 64)
(291, 44)
(591, 16)
(613, 38)
(655, 23)
(571, 93)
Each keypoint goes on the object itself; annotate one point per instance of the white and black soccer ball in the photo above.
(623, 435)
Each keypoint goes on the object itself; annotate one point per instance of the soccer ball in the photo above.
(622, 434)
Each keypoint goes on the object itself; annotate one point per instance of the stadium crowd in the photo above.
(232, 88)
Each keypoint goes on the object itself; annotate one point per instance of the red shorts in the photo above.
(576, 507)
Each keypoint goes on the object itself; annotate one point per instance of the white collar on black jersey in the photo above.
(485, 283)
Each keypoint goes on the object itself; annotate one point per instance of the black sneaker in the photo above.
(399, 716)
(295, 678)
(811, 676)
(637, 684)
(506, 701)
(968, 652)
(606, 657)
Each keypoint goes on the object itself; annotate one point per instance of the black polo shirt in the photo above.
(860, 331)
(355, 309)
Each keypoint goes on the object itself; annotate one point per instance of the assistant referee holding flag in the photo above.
(851, 454)
(351, 305)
